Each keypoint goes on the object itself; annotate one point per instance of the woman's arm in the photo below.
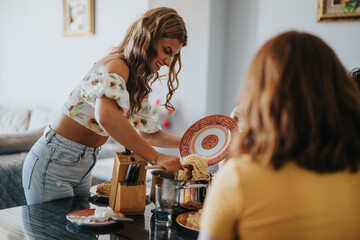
(112, 120)
(162, 139)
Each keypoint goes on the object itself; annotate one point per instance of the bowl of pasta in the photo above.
(191, 183)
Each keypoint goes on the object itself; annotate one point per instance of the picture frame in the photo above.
(78, 16)
(335, 10)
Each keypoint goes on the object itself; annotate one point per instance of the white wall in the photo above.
(251, 23)
(38, 65)
(190, 99)
(215, 93)
(343, 37)
(241, 38)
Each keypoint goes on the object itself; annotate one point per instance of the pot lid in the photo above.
(209, 137)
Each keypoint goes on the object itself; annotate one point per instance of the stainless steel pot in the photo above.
(186, 191)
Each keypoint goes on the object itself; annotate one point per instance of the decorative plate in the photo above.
(209, 137)
(93, 190)
(81, 217)
(182, 220)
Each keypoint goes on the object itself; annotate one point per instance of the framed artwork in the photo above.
(78, 17)
(338, 10)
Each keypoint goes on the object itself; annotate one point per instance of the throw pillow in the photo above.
(13, 120)
(41, 117)
(19, 142)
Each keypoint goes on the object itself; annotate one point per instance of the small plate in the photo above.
(93, 191)
(209, 137)
(80, 217)
(182, 220)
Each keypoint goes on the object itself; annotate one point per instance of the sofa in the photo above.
(19, 130)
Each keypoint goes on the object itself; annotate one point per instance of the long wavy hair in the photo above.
(139, 48)
(301, 105)
(355, 73)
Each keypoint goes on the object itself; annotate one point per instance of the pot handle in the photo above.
(192, 186)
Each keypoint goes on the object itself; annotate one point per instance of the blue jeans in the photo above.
(56, 167)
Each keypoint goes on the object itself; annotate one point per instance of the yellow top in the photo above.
(253, 201)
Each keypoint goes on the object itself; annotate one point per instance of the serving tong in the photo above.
(161, 167)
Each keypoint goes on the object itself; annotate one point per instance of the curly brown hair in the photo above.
(355, 73)
(139, 47)
(300, 105)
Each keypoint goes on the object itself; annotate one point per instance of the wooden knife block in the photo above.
(130, 200)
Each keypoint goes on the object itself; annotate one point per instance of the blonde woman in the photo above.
(111, 100)
(294, 171)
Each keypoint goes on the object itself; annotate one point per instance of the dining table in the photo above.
(47, 220)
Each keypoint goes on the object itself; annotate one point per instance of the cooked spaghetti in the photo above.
(104, 188)
(194, 219)
(198, 169)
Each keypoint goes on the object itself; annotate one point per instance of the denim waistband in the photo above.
(49, 133)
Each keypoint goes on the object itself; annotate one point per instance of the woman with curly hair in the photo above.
(111, 100)
(294, 170)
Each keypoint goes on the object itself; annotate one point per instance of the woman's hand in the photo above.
(112, 120)
(170, 163)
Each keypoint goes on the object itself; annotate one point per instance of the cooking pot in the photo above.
(185, 191)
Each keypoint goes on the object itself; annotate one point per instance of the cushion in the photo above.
(40, 118)
(19, 142)
(13, 120)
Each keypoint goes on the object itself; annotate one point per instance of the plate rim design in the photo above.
(104, 223)
(186, 140)
(184, 216)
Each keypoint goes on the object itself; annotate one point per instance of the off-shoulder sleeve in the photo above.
(111, 85)
(223, 203)
(144, 119)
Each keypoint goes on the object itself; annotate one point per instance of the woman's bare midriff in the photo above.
(70, 129)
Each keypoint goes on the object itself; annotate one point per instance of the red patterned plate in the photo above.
(182, 220)
(81, 217)
(209, 137)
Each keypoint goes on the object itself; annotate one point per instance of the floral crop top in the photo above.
(80, 105)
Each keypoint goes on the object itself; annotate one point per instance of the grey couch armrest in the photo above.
(12, 192)
(19, 142)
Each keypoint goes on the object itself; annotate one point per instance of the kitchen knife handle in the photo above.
(132, 174)
(128, 175)
(136, 175)
(127, 152)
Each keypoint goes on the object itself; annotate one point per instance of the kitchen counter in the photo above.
(48, 221)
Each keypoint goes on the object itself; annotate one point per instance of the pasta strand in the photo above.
(198, 171)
